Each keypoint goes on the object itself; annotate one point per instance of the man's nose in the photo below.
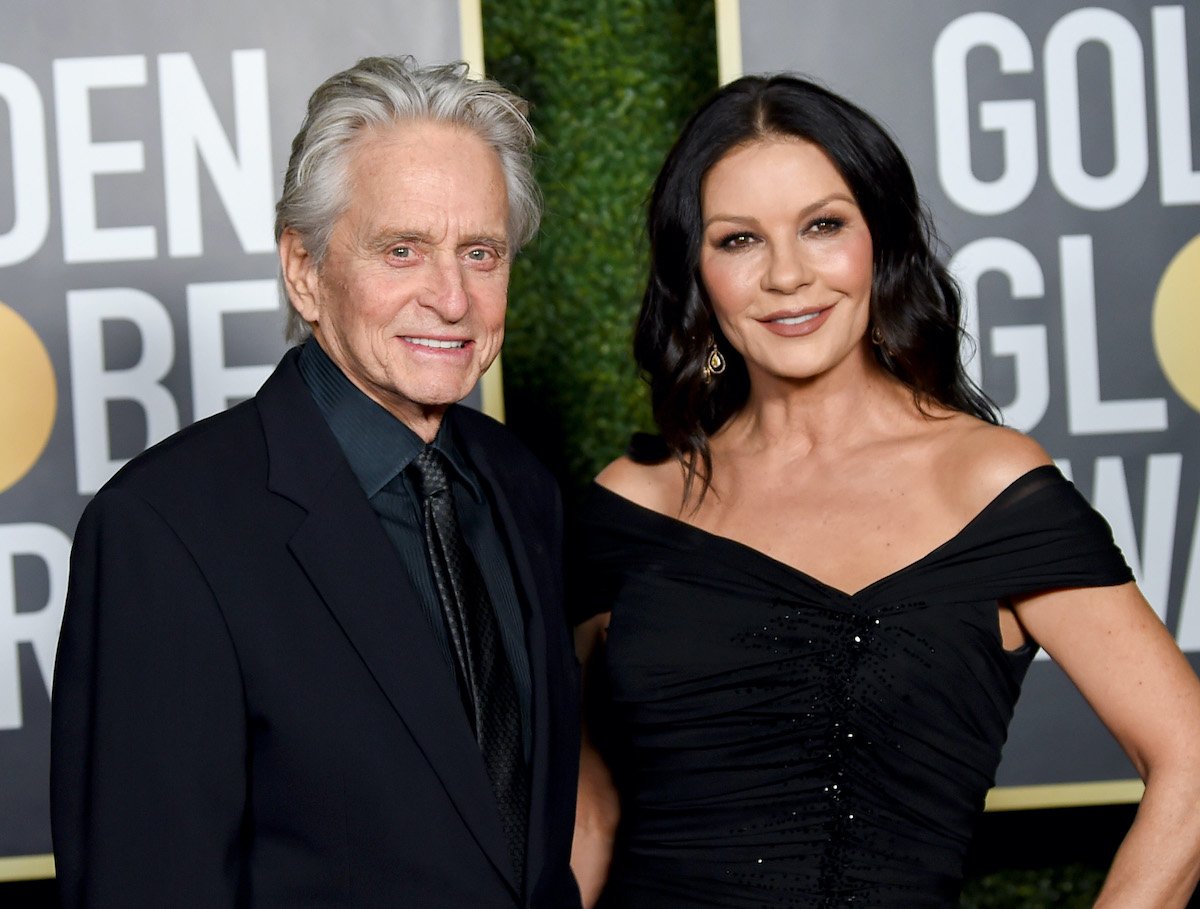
(448, 294)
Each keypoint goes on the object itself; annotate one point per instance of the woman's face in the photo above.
(786, 258)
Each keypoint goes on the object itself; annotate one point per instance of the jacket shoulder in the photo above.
(217, 446)
(228, 449)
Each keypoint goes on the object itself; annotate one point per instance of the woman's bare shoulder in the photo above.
(981, 460)
(658, 487)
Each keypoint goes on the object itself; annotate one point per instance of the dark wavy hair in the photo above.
(915, 304)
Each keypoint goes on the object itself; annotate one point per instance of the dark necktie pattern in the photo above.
(484, 675)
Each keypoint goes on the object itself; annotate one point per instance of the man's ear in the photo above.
(299, 275)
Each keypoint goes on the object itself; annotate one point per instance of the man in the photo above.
(314, 651)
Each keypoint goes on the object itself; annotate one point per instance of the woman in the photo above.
(814, 605)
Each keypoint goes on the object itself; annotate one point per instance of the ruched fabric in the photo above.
(781, 743)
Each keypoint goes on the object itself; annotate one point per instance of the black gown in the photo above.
(778, 742)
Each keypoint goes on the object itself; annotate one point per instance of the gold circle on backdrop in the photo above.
(28, 397)
(1177, 323)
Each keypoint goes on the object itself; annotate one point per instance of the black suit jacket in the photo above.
(251, 710)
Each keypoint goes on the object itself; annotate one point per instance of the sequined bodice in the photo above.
(780, 743)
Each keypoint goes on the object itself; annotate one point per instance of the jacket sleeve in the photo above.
(148, 737)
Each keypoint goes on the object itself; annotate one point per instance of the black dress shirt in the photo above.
(379, 447)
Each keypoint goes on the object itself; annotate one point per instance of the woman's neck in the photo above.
(826, 413)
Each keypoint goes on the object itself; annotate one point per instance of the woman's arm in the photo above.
(1125, 663)
(597, 808)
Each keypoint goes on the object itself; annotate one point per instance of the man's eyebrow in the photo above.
(485, 240)
(388, 237)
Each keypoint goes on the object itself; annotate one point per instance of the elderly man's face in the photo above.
(411, 296)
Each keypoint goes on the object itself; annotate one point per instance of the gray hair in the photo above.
(383, 91)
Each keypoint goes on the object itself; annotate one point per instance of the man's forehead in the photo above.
(432, 186)
(435, 221)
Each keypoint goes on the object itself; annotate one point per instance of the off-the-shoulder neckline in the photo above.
(996, 501)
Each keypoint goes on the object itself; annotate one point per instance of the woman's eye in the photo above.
(736, 241)
(825, 226)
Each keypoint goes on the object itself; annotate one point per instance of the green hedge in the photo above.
(611, 83)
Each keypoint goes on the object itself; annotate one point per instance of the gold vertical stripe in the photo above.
(729, 40)
(491, 389)
(470, 29)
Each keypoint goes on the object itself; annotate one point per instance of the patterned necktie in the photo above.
(484, 677)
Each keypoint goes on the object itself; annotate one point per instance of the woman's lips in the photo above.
(794, 324)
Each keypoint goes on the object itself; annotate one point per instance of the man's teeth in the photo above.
(798, 320)
(434, 342)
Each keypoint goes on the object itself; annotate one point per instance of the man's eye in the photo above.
(402, 252)
(487, 256)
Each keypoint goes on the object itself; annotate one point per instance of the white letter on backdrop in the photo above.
(38, 627)
(191, 131)
(1026, 344)
(1179, 182)
(80, 160)
(1016, 121)
(1063, 121)
(93, 386)
(31, 192)
(215, 385)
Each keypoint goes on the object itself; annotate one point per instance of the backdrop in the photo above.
(141, 151)
(1055, 145)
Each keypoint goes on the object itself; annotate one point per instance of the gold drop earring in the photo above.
(714, 362)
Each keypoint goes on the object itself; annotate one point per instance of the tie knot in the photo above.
(428, 472)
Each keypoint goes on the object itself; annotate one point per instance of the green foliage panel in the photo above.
(611, 82)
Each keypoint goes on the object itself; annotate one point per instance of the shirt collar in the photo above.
(376, 443)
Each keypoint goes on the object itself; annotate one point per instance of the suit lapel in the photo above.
(346, 555)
